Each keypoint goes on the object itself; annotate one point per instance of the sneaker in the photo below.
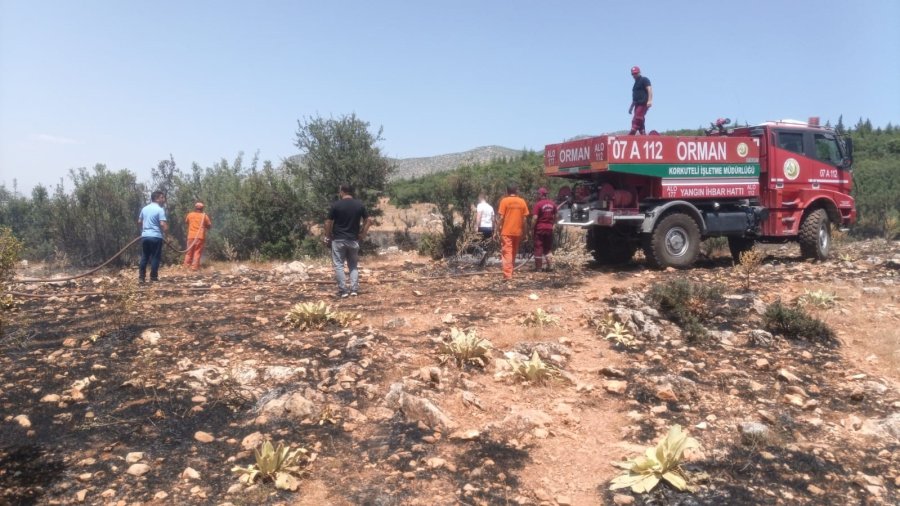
(343, 295)
(354, 293)
(141, 281)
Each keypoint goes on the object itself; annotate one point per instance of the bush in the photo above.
(432, 245)
(796, 323)
(688, 304)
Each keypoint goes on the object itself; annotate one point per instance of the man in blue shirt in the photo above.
(153, 228)
(641, 101)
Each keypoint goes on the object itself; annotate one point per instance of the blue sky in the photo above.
(128, 83)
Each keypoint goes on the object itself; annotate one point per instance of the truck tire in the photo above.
(674, 242)
(609, 247)
(815, 235)
(738, 245)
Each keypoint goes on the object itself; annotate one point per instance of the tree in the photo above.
(335, 152)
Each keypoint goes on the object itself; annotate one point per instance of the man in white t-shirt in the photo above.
(484, 217)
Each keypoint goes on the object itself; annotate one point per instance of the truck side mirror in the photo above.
(847, 162)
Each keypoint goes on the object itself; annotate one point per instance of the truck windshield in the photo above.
(827, 149)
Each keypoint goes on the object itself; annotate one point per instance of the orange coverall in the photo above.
(513, 210)
(197, 225)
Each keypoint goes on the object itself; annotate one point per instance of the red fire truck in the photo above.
(774, 182)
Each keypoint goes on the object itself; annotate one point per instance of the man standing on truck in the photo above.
(641, 101)
(544, 216)
(513, 211)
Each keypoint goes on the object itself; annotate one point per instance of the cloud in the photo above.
(54, 139)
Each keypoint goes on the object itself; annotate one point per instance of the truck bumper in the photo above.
(600, 218)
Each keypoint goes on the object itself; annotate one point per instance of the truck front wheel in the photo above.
(674, 242)
(815, 235)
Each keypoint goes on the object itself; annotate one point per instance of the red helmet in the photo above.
(635, 70)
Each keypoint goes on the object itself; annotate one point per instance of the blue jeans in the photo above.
(345, 250)
(151, 250)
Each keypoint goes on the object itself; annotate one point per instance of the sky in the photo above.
(128, 83)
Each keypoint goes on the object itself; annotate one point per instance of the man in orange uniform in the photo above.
(513, 210)
(197, 224)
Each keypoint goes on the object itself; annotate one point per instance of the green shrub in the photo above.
(432, 245)
(689, 304)
(796, 323)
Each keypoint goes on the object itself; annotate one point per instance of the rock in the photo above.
(252, 441)
(754, 433)
(794, 399)
(785, 375)
(138, 469)
(814, 490)
(204, 437)
(761, 338)
(615, 386)
(658, 410)
(50, 398)
(190, 473)
(291, 405)
(417, 409)
(762, 364)
(23, 421)
(161, 495)
(702, 426)
(286, 481)
(435, 462)
(150, 337)
(623, 500)
(563, 500)
(465, 435)
(666, 393)
(134, 457)
(80, 495)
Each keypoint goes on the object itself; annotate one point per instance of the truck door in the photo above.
(790, 173)
(828, 173)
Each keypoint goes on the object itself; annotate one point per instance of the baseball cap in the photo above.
(542, 191)
(198, 205)
(635, 70)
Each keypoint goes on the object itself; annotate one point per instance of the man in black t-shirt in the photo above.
(641, 100)
(342, 232)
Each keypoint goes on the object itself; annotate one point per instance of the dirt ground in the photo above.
(178, 381)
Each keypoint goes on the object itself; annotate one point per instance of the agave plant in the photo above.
(308, 315)
(540, 318)
(534, 370)
(660, 463)
(277, 464)
(817, 298)
(619, 333)
(466, 347)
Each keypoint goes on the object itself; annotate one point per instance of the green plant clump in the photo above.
(660, 463)
(796, 323)
(278, 464)
(466, 348)
(689, 304)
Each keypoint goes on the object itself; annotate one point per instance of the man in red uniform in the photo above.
(197, 223)
(513, 210)
(544, 215)
(641, 100)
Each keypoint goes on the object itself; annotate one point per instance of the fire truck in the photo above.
(774, 182)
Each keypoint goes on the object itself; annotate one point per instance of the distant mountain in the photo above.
(407, 168)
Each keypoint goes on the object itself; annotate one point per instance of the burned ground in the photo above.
(95, 380)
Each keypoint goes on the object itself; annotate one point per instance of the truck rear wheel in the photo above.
(738, 245)
(609, 247)
(815, 235)
(674, 242)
